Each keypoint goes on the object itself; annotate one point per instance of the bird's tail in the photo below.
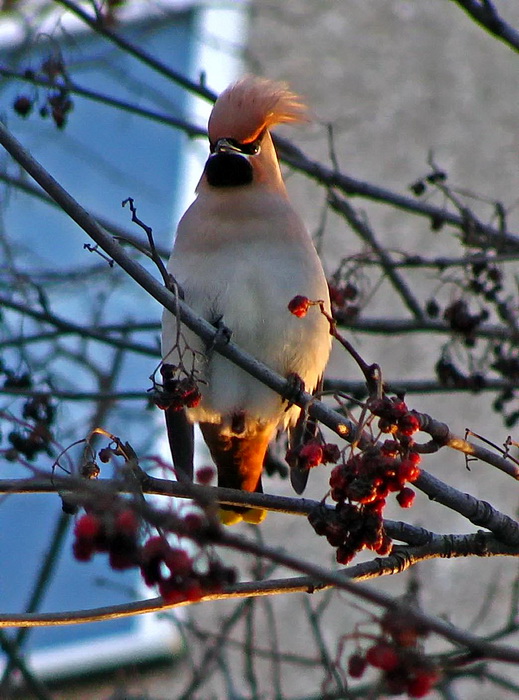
(239, 460)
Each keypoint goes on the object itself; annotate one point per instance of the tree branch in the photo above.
(77, 329)
(202, 328)
(317, 579)
(137, 52)
(486, 15)
(340, 204)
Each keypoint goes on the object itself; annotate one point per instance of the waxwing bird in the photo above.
(240, 255)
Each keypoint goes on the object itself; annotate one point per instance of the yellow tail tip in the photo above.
(254, 516)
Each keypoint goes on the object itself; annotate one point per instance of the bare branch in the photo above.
(198, 325)
(486, 15)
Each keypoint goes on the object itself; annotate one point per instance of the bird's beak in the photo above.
(225, 146)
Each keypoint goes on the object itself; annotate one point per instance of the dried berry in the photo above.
(357, 665)
(23, 105)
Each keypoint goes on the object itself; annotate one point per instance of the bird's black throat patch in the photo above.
(228, 170)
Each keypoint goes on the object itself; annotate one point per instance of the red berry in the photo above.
(152, 556)
(406, 498)
(390, 448)
(161, 402)
(386, 425)
(337, 477)
(155, 547)
(193, 522)
(408, 424)
(399, 408)
(385, 547)
(377, 506)
(382, 655)
(351, 291)
(311, 454)
(401, 631)
(356, 665)
(126, 522)
(415, 458)
(170, 592)
(87, 527)
(178, 562)
(205, 475)
(299, 306)
(83, 549)
(121, 560)
(407, 470)
(337, 295)
(344, 553)
(193, 592)
(192, 398)
(331, 453)
(421, 684)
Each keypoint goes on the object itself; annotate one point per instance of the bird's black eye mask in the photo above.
(251, 148)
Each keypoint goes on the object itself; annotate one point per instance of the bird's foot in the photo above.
(295, 389)
(223, 333)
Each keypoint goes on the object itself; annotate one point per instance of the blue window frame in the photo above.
(102, 157)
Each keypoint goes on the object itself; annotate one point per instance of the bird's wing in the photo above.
(305, 430)
(181, 442)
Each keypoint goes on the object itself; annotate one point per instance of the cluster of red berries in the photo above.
(176, 393)
(461, 320)
(451, 376)
(173, 570)
(361, 485)
(170, 568)
(368, 478)
(114, 533)
(350, 528)
(35, 436)
(395, 417)
(404, 671)
(342, 297)
(57, 102)
(311, 454)
(397, 653)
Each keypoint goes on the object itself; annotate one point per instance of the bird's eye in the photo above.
(252, 148)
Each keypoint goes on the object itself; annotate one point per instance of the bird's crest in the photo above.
(253, 104)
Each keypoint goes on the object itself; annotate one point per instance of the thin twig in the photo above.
(360, 226)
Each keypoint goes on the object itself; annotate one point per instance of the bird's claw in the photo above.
(294, 390)
(222, 336)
